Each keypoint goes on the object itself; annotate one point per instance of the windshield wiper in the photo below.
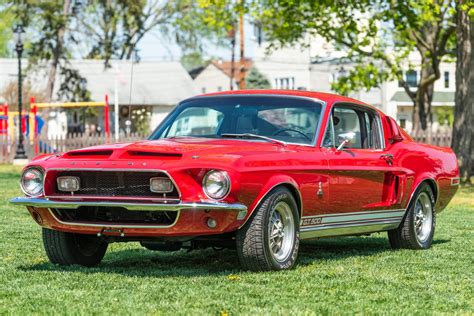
(250, 135)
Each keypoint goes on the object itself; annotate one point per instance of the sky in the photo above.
(155, 46)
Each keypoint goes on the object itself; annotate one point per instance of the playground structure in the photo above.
(31, 122)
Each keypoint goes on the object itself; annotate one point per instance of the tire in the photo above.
(417, 228)
(277, 215)
(68, 248)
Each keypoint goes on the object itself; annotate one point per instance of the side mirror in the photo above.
(394, 131)
(346, 138)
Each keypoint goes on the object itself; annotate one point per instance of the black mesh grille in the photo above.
(115, 215)
(116, 184)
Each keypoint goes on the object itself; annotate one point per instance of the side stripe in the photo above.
(319, 221)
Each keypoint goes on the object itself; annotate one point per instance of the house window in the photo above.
(287, 83)
(446, 79)
(403, 123)
(411, 78)
(203, 90)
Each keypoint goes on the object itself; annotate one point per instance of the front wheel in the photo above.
(270, 238)
(69, 248)
(416, 231)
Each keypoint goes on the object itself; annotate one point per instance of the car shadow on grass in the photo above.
(139, 262)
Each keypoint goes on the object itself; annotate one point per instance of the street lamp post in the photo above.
(20, 151)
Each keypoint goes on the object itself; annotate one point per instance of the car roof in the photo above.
(329, 98)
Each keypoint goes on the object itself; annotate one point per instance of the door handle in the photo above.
(388, 158)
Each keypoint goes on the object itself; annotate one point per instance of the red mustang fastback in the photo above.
(253, 170)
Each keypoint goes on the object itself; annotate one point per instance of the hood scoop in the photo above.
(89, 153)
(153, 154)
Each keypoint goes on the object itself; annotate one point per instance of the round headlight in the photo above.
(216, 184)
(32, 182)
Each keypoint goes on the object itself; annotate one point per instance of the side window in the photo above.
(328, 140)
(365, 124)
(347, 120)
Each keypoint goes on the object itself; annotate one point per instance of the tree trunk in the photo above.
(58, 50)
(422, 116)
(463, 113)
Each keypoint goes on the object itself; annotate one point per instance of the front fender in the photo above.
(270, 184)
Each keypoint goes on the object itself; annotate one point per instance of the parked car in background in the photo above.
(253, 170)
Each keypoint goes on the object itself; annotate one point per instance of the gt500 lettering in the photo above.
(311, 221)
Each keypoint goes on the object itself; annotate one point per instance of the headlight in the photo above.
(216, 184)
(32, 182)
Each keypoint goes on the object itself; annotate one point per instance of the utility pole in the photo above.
(232, 59)
(242, 49)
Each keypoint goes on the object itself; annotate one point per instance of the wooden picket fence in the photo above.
(6, 148)
(438, 138)
(76, 141)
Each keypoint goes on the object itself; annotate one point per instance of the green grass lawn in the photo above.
(339, 275)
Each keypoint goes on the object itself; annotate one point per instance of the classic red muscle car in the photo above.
(254, 170)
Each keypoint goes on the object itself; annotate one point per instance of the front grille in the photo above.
(115, 215)
(116, 184)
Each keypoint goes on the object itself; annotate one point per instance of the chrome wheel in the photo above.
(423, 217)
(281, 231)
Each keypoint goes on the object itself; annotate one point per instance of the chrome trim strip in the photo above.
(350, 229)
(114, 169)
(111, 198)
(110, 225)
(45, 203)
(357, 213)
(350, 223)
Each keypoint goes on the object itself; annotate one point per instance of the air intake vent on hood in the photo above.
(89, 153)
(136, 153)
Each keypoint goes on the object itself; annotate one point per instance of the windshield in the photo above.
(286, 119)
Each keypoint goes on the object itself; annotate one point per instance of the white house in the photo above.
(152, 86)
(391, 96)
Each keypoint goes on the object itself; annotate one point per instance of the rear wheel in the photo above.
(416, 231)
(68, 248)
(270, 238)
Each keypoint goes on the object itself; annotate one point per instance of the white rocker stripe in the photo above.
(349, 223)
(351, 217)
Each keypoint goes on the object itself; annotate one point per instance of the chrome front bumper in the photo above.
(45, 203)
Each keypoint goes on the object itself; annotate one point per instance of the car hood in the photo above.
(185, 147)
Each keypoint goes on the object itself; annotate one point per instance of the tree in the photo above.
(114, 28)
(6, 25)
(193, 60)
(378, 33)
(256, 80)
(463, 131)
(51, 48)
(9, 93)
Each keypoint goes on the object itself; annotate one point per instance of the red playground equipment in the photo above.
(35, 106)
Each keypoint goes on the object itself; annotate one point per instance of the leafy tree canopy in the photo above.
(377, 35)
(256, 80)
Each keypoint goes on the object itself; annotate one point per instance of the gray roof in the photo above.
(438, 97)
(154, 82)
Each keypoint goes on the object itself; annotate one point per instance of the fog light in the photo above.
(161, 185)
(211, 223)
(68, 183)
